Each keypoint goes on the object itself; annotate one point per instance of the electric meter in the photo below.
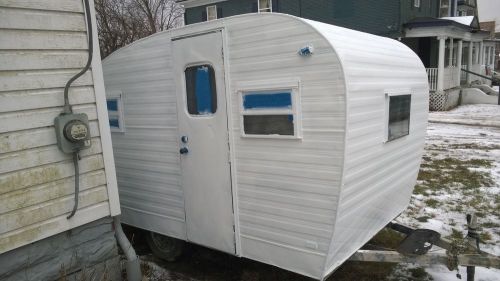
(72, 131)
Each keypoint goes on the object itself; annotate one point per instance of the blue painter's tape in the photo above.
(203, 90)
(274, 100)
(114, 123)
(112, 105)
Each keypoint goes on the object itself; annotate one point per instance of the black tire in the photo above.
(164, 247)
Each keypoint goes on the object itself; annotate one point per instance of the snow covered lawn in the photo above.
(460, 173)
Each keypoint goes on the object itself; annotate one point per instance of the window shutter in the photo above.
(254, 7)
(219, 13)
(204, 16)
(276, 5)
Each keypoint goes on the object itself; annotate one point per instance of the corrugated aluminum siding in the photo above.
(378, 176)
(42, 45)
(147, 153)
(288, 188)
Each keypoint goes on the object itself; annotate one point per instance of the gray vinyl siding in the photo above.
(42, 45)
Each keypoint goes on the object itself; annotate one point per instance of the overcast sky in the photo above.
(489, 10)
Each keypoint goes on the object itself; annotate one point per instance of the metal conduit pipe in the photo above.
(133, 266)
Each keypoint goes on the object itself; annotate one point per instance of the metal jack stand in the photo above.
(417, 242)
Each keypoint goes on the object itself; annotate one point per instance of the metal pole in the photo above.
(473, 238)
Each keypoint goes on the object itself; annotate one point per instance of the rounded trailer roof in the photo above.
(371, 59)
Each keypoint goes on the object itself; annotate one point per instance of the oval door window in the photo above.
(201, 90)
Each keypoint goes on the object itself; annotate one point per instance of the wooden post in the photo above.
(481, 53)
(469, 62)
(459, 60)
(450, 54)
(440, 78)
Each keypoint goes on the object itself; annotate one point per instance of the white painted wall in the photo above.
(42, 45)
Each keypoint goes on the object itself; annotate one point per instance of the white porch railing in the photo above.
(432, 77)
(450, 79)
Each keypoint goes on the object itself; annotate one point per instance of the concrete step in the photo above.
(477, 96)
(486, 89)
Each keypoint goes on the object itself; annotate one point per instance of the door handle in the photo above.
(183, 150)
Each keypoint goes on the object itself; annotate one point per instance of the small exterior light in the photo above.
(306, 51)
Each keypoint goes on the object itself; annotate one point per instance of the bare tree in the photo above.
(120, 22)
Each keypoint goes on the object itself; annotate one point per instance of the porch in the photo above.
(446, 46)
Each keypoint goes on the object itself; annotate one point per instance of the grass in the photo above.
(431, 202)
(423, 219)
(446, 173)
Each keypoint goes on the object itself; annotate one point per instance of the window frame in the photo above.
(388, 95)
(118, 96)
(268, 87)
(416, 3)
(214, 7)
(265, 10)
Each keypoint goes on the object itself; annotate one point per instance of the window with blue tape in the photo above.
(201, 90)
(269, 113)
(115, 116)
(112, 104)
(265, 101)
(114, 123)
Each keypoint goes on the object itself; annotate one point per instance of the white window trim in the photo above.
(214, 7)
(388, 94)
(416, 3)
(272, 86)
(263, 10)
(119, 99)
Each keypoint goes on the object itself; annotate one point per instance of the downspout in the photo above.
(133, 266)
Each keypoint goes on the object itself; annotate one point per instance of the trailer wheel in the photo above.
(164, 247)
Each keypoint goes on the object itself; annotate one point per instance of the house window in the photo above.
(416, 3)
(211, 12)
(445, 8)
(115, 113)
(201, 94)
(270, 113)
(265, 6)
(399, 116)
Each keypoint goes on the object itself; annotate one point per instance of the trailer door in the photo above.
(203, 137)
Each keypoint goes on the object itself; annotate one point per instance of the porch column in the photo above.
(492, 56)
(481, 53)
(459, 60)
(486, 55)
(469, 62)
(450, 54)
(440, 78)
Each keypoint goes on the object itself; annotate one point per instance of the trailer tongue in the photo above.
(416, 245)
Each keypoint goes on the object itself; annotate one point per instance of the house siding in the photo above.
(42, 45)
(383, 18)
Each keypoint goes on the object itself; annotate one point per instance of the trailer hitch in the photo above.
(417, 243)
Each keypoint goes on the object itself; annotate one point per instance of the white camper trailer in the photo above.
(267, 136)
